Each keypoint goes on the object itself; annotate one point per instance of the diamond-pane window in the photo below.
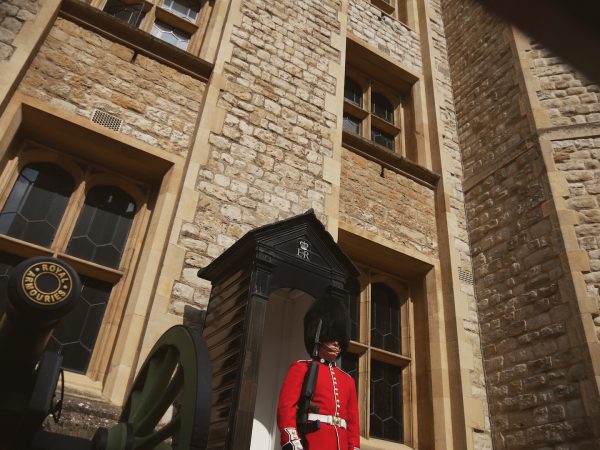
(76, 333)
(385, 318)
(103, 226)
(386, 401)
(170, 34)
(37, 203)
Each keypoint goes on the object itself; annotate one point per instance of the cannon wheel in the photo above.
(177, 370)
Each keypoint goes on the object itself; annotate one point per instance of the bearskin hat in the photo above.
(335, 327)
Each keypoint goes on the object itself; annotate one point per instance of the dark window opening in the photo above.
(386, 402)
(352, 124)
(385, 318)
(382, 107)
(350, 366)
(353, 92)
(36, 204)
(76, 333)
(382, 138)
(103, 226)
(132, 13)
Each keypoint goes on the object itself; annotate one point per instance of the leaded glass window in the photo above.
(382, 138)
(36, 204)
(352, 124)
(376, 120)
(350, 366)
(382, 107)
(353, 92)
(386, 401)
(385, 318)
(7, 262)
(379, 355)
(52, 205)
(103, 226)
(170, 34)
(132, 13)
(76, 333)
(186, 9)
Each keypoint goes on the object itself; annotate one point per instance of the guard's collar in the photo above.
(324, 361)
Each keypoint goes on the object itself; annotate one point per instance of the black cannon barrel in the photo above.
(41, 290)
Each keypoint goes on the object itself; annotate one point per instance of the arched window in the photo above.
(353, 92)
(37, 203)
(379, 358)
(382, 107)
(103, 226)
(385, 318)
(39, 210)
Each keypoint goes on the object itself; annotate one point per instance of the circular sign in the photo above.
(46, 283)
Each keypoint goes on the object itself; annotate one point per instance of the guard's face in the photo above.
(329, 350)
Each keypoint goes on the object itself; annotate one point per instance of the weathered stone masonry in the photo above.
(13, 14)
(533, 359)
(387, 204)
(267, 162)
(78, 71)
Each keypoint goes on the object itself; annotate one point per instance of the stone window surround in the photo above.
(369, 119)
(411, 147)
(426, 416)
(86, 176)
(196, 66)
(113, 360)
(367, 352)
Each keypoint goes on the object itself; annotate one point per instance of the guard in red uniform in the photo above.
(334, 403)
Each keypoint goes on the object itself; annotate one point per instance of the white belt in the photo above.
(331, 420)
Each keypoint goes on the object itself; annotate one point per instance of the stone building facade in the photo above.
(452, 159)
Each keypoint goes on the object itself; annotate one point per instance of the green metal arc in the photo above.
(177, 368)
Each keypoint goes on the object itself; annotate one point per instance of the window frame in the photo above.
(86, 175)
(155, 12)
(366, 353)
(368, 119)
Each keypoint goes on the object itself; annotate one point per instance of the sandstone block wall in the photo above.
(533, 371)
(579, 159)
(384, 33)
(567, 96)
(387, 204)
(267, 161)
(13, 14)
(77, 70)
(492, 121)
(533, 359)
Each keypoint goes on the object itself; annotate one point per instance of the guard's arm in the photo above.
(286, 407)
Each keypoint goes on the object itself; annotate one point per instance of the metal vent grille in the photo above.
(106, 120)
(466, 276)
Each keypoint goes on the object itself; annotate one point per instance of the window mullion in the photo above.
(68, 221)
(367, 122)
(149, 19)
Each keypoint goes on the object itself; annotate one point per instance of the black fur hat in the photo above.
(335, 327)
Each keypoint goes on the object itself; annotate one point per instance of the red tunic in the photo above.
(335, 395)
